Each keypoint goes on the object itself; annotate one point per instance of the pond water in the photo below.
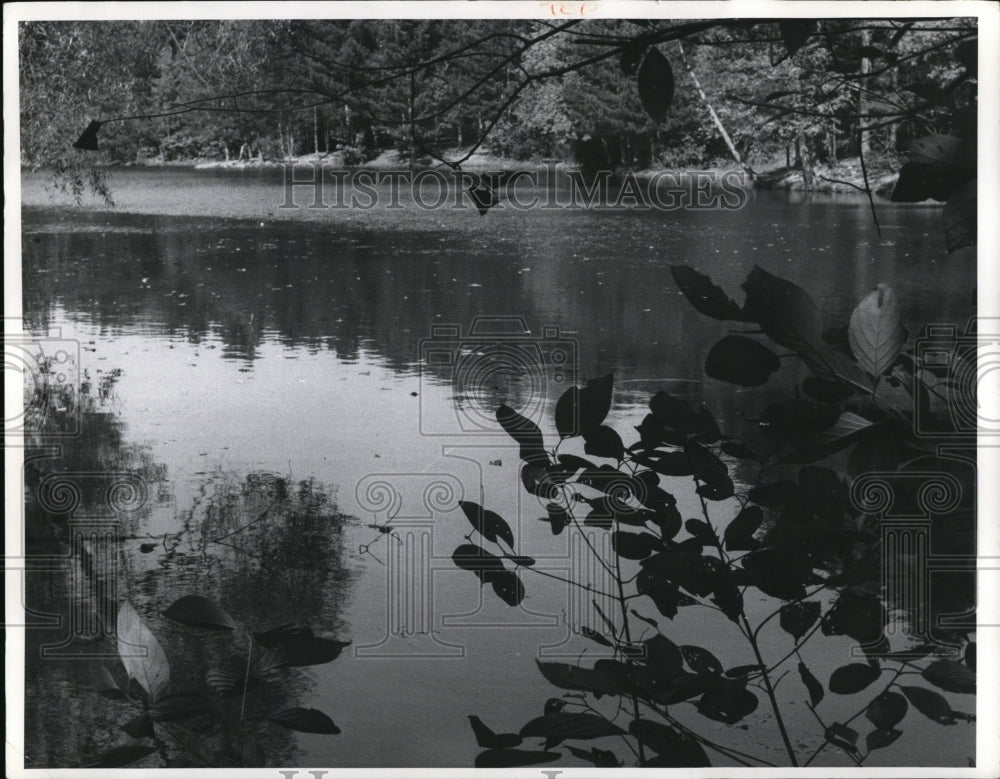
(345, 366)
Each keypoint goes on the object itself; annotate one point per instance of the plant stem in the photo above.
(770, 689)
(628, 640)
(246, 677)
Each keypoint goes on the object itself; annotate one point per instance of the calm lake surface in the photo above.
(235, 349)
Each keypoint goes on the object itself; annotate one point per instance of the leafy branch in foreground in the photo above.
(219, 707)
(794, 539)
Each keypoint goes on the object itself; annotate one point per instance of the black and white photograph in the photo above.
(569, 388)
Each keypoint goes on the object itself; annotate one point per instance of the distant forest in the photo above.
(624, 93)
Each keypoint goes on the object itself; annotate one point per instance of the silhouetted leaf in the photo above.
(813, 687)
(887, 710)
(470, 557)
(140, 652)
(798, 417)
(663, 657)
(739, 533)
(664, 594)
(487, 739)
(943, 153)
(826, 390)
(558, 518)
(305, 720)
(774, 493)
(705, 295)
(179, 706)
(525, 432)
(858, 615)
(777, 573)
(785, 311)
(603, 441)
(579, 411)
(140, 727)
(852, 678)
(700, 660)
(951, 676)
(960, 217)
(119, 756)
(844, 737)
(105, 684)
(655, 79)
(573, 677)
(739, 671)
(594, 636)
(512, 758)
(634, 546)
(507, 585)
(797, 618)
(709, 469)
(303, 651)
(200, 612)
(518, 559)
(281, 634)
(727, 701)
(88, 139)
(741, 360)
(876, 331)
(795, 33)
(601, 758)
(877, 450)
(881, 738)
(488, 523)
(676, 747)
(562, 725)
(931, 704)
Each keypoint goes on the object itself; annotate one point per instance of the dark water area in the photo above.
(319, 372)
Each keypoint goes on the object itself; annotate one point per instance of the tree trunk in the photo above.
(864, 143)
(715, 117)
(804, 160)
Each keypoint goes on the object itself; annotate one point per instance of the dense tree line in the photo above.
(793, 92)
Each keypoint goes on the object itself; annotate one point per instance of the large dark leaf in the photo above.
(887, 710)
(279, 635)
(798, 417)
(558, 518)
(784, 310)
(701, 661)
(876, 331)
(777, 573)
(579, 411)
(305, 720)
(507, 585)
(663, 657)
(561, 725)
(525, 432)
(665, 594)
(741, 360)
(705, 295)
(179, 706)
(813, 687)
(844, 737)
(634, 546)
(487, 739)
(118, 756)
(488, 523)
(943, 154)
(858, 615)
(797, 618)
(603, 441)
(931, 704)
(795, 33)
(601, 758)
(960, 217)
(739, 533)
(302, 651)
(881, 738)
(727, 701)
(709, 469)
(512, 758)
(951, 676)
(852, 678)
(656, 84)
(470, 557)
(140, 727)
(199, 611)
(574, 677)
(106, 685)
(877, 450)
(230, 683)
(677, 748)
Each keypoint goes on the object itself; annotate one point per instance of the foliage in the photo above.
(223, 705)
(794, 538)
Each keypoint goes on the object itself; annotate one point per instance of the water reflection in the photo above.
(268, 550)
